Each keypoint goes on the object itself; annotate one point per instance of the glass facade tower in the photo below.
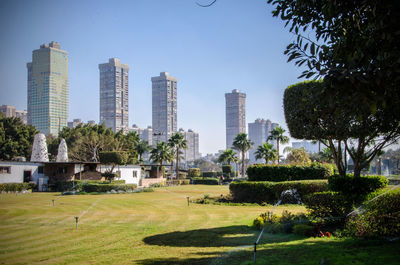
(48, 92)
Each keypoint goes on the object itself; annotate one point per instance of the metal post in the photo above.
(53, 201)
(187, 200)
(255, 251)
(76, 221)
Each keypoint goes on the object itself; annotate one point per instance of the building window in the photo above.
(40, 170)
(5, 170)
(134, 173)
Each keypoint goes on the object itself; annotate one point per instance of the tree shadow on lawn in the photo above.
(274, 248)
(230, 236)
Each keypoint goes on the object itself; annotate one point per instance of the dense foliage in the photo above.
(270, 192)
(379, 217)
(17, 187)
(209, 174)
(261, 172)
(267, 152)
(298, 156)
(194, 172)
(327, 204)
(16, 138)
(205, 181)
(99, 187)
(356, 189)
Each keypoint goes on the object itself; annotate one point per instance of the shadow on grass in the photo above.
(274, 249)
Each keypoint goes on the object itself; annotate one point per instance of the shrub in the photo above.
(302, 229)
(206, 181)
(381, 218)
(356, 189)
(17, 187)
(327, 204)
(179, 182)
(227, 170)
(96, 187)
(209, 174)
(122, 181)
(194, 172)
(269, 192)
(262, 172)
(182, 175)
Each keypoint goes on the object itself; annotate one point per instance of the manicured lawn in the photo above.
(157, 228)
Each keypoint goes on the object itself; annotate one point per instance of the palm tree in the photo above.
(266, 151)
(161, 153)
(177, 142)
(277, 134)
(227, 157)
(242, 144)
(142, 147)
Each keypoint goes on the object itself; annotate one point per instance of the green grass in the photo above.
(156, 228)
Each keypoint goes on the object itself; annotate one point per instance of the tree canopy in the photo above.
(266, 151)
(16, 138)
(242, 144)
(177, 142)
(277, 134)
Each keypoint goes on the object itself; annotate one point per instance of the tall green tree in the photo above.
(242, 144)
(277, 134)
(177, 142)
(266, 151)
(162, 153)
(227, 157)
(16, 138)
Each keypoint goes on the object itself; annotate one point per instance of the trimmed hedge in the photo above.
(262, 172)
(194, 172)
(209, 174)
(206, 181)
(327, 204)
(356, 189)
(269, 192)
(97, 187)
(380, 219)
(178, 182)
(17, 187)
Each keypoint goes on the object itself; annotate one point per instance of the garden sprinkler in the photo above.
(53, 201)
(76, 221)
(187, 200)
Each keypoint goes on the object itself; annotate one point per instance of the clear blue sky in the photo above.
(234, 44)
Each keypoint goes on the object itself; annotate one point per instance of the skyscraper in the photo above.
(114, 91)
(192, 152)
(48, 95)
(258, 133)
(235, 109)
(164, 104)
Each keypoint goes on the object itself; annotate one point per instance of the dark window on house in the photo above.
(40, 170)
(27, 175)
(5, 170)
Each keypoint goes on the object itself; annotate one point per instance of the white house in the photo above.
(130, 173)
(19, 172)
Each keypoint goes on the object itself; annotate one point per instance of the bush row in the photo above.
(96, 187)
(178, 182)
(356, 189)
(381, 217)
(17, 187)
(262, 172)
(269, 192)
(206, 181)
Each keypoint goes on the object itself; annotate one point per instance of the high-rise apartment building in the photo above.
(10, 111)
(114, 107)
(258, 133)
(235, 109)
(48, 95)
(192, 152)
(164, 106)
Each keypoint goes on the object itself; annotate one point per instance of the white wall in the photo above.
(126, 172)
(17, 172)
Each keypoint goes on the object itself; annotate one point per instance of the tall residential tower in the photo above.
(114, 107)
(235, 109)
(164, 104)
(48, 94)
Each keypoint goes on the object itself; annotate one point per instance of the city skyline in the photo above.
(209, 54)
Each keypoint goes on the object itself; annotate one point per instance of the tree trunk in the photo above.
(242, 163)
(277, 148)
(177, 164)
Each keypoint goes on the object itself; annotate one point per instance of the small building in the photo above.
(130, 173)
(19, 172)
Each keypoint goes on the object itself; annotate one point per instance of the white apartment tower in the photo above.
(235, 109)
(164, 106)
(114, 91)
(192, 152)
